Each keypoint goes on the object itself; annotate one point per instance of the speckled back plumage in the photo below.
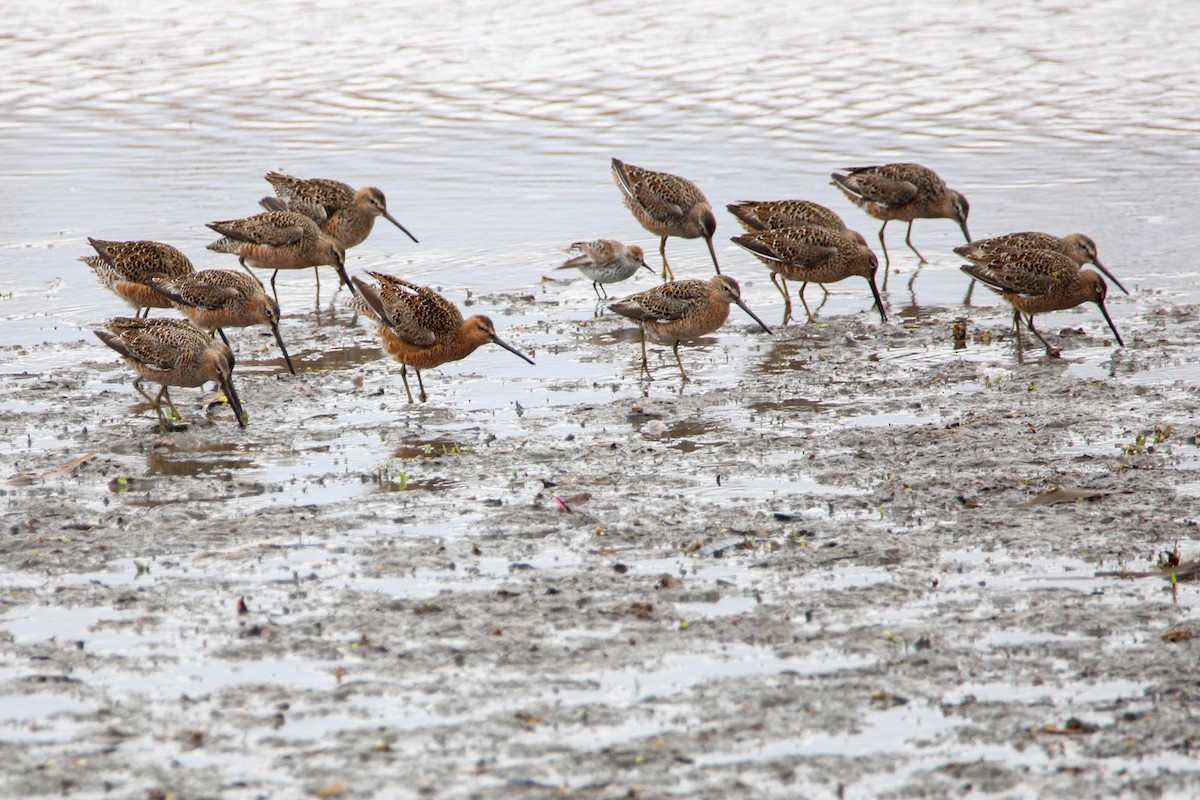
(170, 351)
(665, 204)
(279, 240)
(342, 212)
(1025, 273)
(674, 300)
(416, 313)
(606, 260)
(222, 298)
(758, 215)
(1076, 246)
(810, 253)
(902, 192)
(126, 268)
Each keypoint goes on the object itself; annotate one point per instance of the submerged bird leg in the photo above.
(682, 373)
(420, 386)
(1017, 331)
(1051, 350)
(908, 241)
(317, 275)
(804, 302)
(645, 363)
(667, 274)
(970, 291)
(787, 298)
(404, 377)
(824, 297)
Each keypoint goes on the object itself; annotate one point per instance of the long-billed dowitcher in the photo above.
(681, 310)
(420, 328)
(172, 352)
(1079, 248)
(280, 240)
(126, 267)
(761, 215)
(667, 205)
(344, 213)
(812, 255)
(606, 261)
(904, 192)
(214, 299)
(1038, 281)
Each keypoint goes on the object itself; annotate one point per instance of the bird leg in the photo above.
(682, 374)
(1017, 330)
(273, 274)
(420, 385)
(1051, 351)
(596, 287)
(908, 241)
(887, 260)
(787, 299)
(970, 290)
(645, 363)
(804, 286)
(667, 274)
(404, 377)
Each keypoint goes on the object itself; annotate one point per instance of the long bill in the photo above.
(713, 253)
(510, 348)
(1109, 275)
(1108, 319)
(878, 299)
(234, 402)
(753, 316)
(341, 271)
(282, 349)
(396, 222)
(966, 233)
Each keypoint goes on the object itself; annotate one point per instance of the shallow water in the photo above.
(490, 127)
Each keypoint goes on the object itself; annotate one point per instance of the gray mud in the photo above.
(816, 578)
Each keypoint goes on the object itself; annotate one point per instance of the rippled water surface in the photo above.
(490, 126)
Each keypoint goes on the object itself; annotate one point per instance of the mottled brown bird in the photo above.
(666, 205)
(1079, 248)
(214, 299)
(812, 255)
(126, 268)
(420, 328)
(761, 215)
(343, 212)
(903, 192)
(280, 240)
(1039, 281)
(172, 352)
(681, 310)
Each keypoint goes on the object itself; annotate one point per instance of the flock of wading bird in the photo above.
(311, 223)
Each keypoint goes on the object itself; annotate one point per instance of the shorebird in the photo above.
(666, 205)
(280, 240)
(904, 192)
(606, 261)
(420, 328)
(812, 255)
(214, 299)
(342, 212)
(1038, 281)
(172, 352)
(756, 215)
(126, 267)
(1079, 248)
(681, 310)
